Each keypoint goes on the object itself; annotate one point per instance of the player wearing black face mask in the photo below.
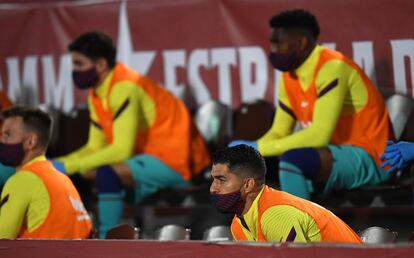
(263, 213)
(85, 79)
(343, 118)
(141, 136)
(93, 58)
(11, 154)
(37, 201)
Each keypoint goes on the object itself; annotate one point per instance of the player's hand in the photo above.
(397, 155)
(252, 144)
(59, 166)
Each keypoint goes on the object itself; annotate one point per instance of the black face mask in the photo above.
(283, 62)
(85, 79)
(231, 203)
(11, 154)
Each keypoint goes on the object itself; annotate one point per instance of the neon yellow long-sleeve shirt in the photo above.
(278, 221)
(24, 198)
(138, 114)
(348, 97)
(139, 117)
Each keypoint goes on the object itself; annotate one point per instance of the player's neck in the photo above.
(32, 154)
(250, 199)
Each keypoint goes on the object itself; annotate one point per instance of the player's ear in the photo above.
(303, 43)
(32, 141)
(101, 65)
(249, 185)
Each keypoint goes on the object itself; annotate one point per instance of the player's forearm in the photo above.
(282, 127)
(10, 221)
(82, 151)
(72, 160)
(310, 137)
(111, 154)
(96, 141)
(325, 117)
(7, 230)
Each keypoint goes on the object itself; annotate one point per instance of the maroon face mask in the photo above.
(283, 62)
(11, 154)
(228, 203)
(85, 79)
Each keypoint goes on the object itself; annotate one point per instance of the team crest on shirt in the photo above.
(304, 104)
(304, 124)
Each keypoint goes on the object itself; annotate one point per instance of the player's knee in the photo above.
(107, 180)
(305, 159)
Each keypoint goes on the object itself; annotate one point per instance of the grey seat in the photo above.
(252, 120)
(172, 232)
(378, 235)
(218, 233)
(214, 121)
(399, 109)
(123, 231)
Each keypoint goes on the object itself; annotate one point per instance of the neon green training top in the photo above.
(24, 197)
(349, 96)
(278, 221)
(139, 114)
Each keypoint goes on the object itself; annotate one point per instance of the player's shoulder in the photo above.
(22, 179)
(24, 175)
(334, 69)
(335, 64)
(336, 59)
(127, 88)
(283, 210)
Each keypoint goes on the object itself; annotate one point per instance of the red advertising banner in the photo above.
(35, 248)
(199, 49)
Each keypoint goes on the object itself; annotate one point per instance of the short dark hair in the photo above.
(296, 19)
(242, 160)
(34, 120)
(95, 45)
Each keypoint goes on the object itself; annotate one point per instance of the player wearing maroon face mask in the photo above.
(343, 118)
(263, 213)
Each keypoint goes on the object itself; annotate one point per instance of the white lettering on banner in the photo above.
(14, 90)
(224, 58)
(364, 57)
(23, 90)
(172, 60)
(58, 92)
(197, 59)
(252, 71)
(330, 45)
(400, 50)
(251, 89)
(142, 61)
(252, 65)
